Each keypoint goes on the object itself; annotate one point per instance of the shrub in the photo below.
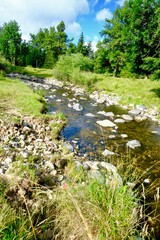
(75, 68)
(155, 75)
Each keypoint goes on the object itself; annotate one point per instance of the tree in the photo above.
(132, 35)
(88, 52)
(71, 47)
(61, 39)
(10, 41)
(101, 59)
(47, 45)
(22, 58)
(36, 53)
(80, 45)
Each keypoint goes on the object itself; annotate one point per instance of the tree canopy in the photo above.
(10, 41)
(132, 37)
(130, 42)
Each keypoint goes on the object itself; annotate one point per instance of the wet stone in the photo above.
(107, 152)
(133, 144)
(89, 115)
(106, 123)
(134, 112)
(123, 135)
(127, 117)
(111, 136)
(107, 114)
(119, 120)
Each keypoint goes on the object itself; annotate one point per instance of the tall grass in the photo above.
(92, 210)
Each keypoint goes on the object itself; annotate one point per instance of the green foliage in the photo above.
(151, 64)
(155, 75)
(80, 45)
(46, 46)
(75, 68)
(10, 41)
(101, 59)
(132, 36)
(84, 49)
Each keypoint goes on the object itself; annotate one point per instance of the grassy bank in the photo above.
(132, 91)
(17, 99)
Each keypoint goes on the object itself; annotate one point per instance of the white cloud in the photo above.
(95, 3)
(107, 1)
(120, 2)
(104, 13)
(94, 43)
(34, 14)
(74, 29)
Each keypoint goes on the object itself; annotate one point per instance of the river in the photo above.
(84, 134)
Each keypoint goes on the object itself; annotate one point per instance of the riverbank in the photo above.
(39, 193)
(131, 91)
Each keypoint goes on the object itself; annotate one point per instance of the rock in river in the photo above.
(106, 123)
(90, 115)
(77, 107)
(127, 117)
(107, 153)
(134, 112)
(119, 120)
(133, 144)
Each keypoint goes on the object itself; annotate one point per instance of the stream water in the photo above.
(82, 130)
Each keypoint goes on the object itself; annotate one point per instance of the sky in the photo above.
(85, 16)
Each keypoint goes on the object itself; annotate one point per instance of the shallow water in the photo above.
(92, 139)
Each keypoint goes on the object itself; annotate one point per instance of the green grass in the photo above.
(132, 91)
(87, 209)
(16, 98)
(38, 72)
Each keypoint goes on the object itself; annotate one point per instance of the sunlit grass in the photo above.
(17, 97)
(38, 72)
(134, 91)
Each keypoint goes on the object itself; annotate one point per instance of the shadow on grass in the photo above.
(156, 91)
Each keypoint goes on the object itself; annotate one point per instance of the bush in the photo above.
(75, 68)
(155, 75)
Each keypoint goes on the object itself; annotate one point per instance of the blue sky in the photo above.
(93, 22)
(85, 16)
